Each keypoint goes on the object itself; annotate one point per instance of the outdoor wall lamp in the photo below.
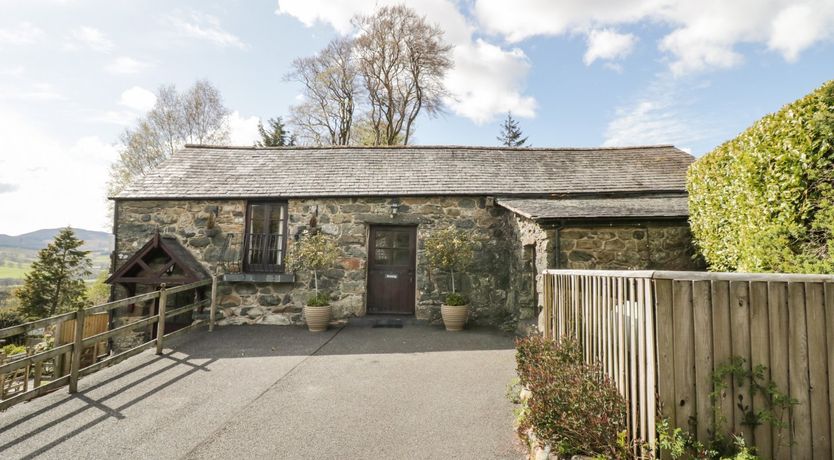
(395, 208)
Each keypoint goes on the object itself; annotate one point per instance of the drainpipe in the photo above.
(557, 260)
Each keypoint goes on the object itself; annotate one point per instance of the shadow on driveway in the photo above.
(268, 391)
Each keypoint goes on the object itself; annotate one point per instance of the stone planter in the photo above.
(454, 316)
(317, 318)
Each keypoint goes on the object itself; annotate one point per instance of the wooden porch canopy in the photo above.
(161, 260)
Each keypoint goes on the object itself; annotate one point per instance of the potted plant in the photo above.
(451, 249)
(314, 252)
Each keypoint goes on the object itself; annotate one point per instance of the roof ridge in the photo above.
(427, 147)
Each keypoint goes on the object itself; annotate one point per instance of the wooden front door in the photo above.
(392, 255)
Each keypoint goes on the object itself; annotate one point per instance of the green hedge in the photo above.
(764, 201)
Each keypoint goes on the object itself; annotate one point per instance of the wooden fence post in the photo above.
(548, 306)
(160, 325)
(2, 378)
(213, 309)
(75, 364)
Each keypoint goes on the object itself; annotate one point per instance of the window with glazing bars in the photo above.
(265, 242)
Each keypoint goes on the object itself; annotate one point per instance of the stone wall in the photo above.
(502, 282)
(647, 246)
(202, 226)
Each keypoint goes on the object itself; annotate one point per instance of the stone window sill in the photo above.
(259, 277)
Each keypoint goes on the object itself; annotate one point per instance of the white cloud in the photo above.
(480, 92)
(91, 38)
(704, 33)
(34, 92)
(14, 71)
(486, 80)
(607, 44)
(138, 98)
(126, 65)
(243, 130)
(659, 116)
(44, 174)
(25, 33)
(206, 27)
(116, 117)
(796, 28)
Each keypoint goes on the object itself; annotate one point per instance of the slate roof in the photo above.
(248, 172)
(602, 207)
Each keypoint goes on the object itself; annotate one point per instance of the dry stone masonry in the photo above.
(502, 283)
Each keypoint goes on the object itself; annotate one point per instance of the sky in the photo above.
(74, 74)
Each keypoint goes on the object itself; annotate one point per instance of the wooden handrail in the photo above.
(183, 309)
(26, 327)
(120, 330)
(123, 302)
(188, 287)
(32, 359)
(77, 345)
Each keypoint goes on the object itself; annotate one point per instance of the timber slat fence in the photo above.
(660, 336)
(78, 341)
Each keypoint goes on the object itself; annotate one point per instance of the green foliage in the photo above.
(276, 136)
(681, 444)
(764, 201)
(314, 252)
(511, 135)
(456, 299)
(572, 406)
(56, 282)
(12, 349)
(98, 292)
(777, 403)
(450, 249)
(320, 299)
(11, 318)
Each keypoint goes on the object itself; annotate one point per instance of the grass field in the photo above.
(13, 272)
(15, 262)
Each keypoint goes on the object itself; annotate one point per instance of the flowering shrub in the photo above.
(572, 406)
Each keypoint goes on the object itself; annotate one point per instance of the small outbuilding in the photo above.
(233, 211)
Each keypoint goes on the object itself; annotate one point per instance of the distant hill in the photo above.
(93, 240)
(18, 252)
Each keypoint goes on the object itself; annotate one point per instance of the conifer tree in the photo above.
(276, 136)
(511, 135)
(56, 282)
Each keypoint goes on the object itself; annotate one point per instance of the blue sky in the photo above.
(74, 74)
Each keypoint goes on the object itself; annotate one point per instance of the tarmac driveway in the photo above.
(280, 392)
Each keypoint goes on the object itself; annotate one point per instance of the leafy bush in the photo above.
(764, 201)
(456, 299)
(12, 349)
(572, 406)
(313, 252)
(319, 300)
(450, 249)
(678, 443)
(10, 318)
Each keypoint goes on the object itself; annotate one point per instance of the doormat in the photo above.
(390, 323)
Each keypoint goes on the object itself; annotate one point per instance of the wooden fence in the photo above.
(661, 336)
(81, 341)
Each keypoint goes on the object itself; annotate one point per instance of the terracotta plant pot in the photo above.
(317, 318)
(454, 316)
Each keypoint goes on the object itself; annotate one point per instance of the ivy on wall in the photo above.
(764, 201)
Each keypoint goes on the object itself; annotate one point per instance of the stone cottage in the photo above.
(234, 211)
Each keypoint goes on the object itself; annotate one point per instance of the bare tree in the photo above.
(195, 116)
(330, 90)
(402, 60)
